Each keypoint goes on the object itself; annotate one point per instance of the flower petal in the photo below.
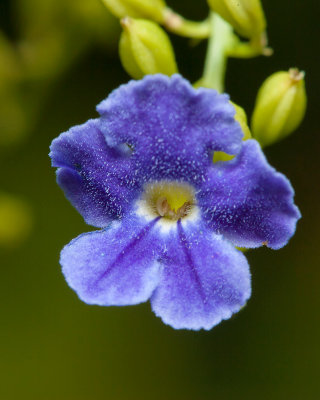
(95, 177)
(172, 127)
(116, 266)
(204, 280)
(248, 202)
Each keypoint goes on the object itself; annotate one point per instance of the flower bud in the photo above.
(145, 49)
(241, 117)
(149, 9)
(280, 106)
(246, 16)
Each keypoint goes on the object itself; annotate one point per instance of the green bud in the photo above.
(149, 9)
(280, 106)
(145, 49)
(246, 16)
(241, 117)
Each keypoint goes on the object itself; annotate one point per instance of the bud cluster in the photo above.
(145, 48)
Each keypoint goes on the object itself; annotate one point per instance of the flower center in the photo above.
(171, 200)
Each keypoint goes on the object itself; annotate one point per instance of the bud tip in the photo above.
(125, 22)
(296, 75)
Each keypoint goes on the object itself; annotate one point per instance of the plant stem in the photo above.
(216, 60)
(175, 23)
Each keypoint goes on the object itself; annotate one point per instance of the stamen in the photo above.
(162, 206)
(170, 200)
(184, 210)
(164, 209)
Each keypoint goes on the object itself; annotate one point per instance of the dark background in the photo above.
(53, 346)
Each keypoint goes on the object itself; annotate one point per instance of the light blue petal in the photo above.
(204, 280)
(116, 266)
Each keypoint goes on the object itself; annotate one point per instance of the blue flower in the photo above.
(170, 217)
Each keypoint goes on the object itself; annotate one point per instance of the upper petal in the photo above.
(116, 266)
(204, 280)
(96, 178)
(248, 202)
(172, 127)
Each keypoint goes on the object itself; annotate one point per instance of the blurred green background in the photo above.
(52, 346)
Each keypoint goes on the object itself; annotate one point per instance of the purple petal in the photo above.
(172, 127)
(204, 280)
(116, 266)
(95, 177)
(248, 202)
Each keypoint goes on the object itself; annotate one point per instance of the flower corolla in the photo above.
(170, 218)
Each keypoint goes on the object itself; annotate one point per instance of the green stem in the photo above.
(175, 23)
(216, 60)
